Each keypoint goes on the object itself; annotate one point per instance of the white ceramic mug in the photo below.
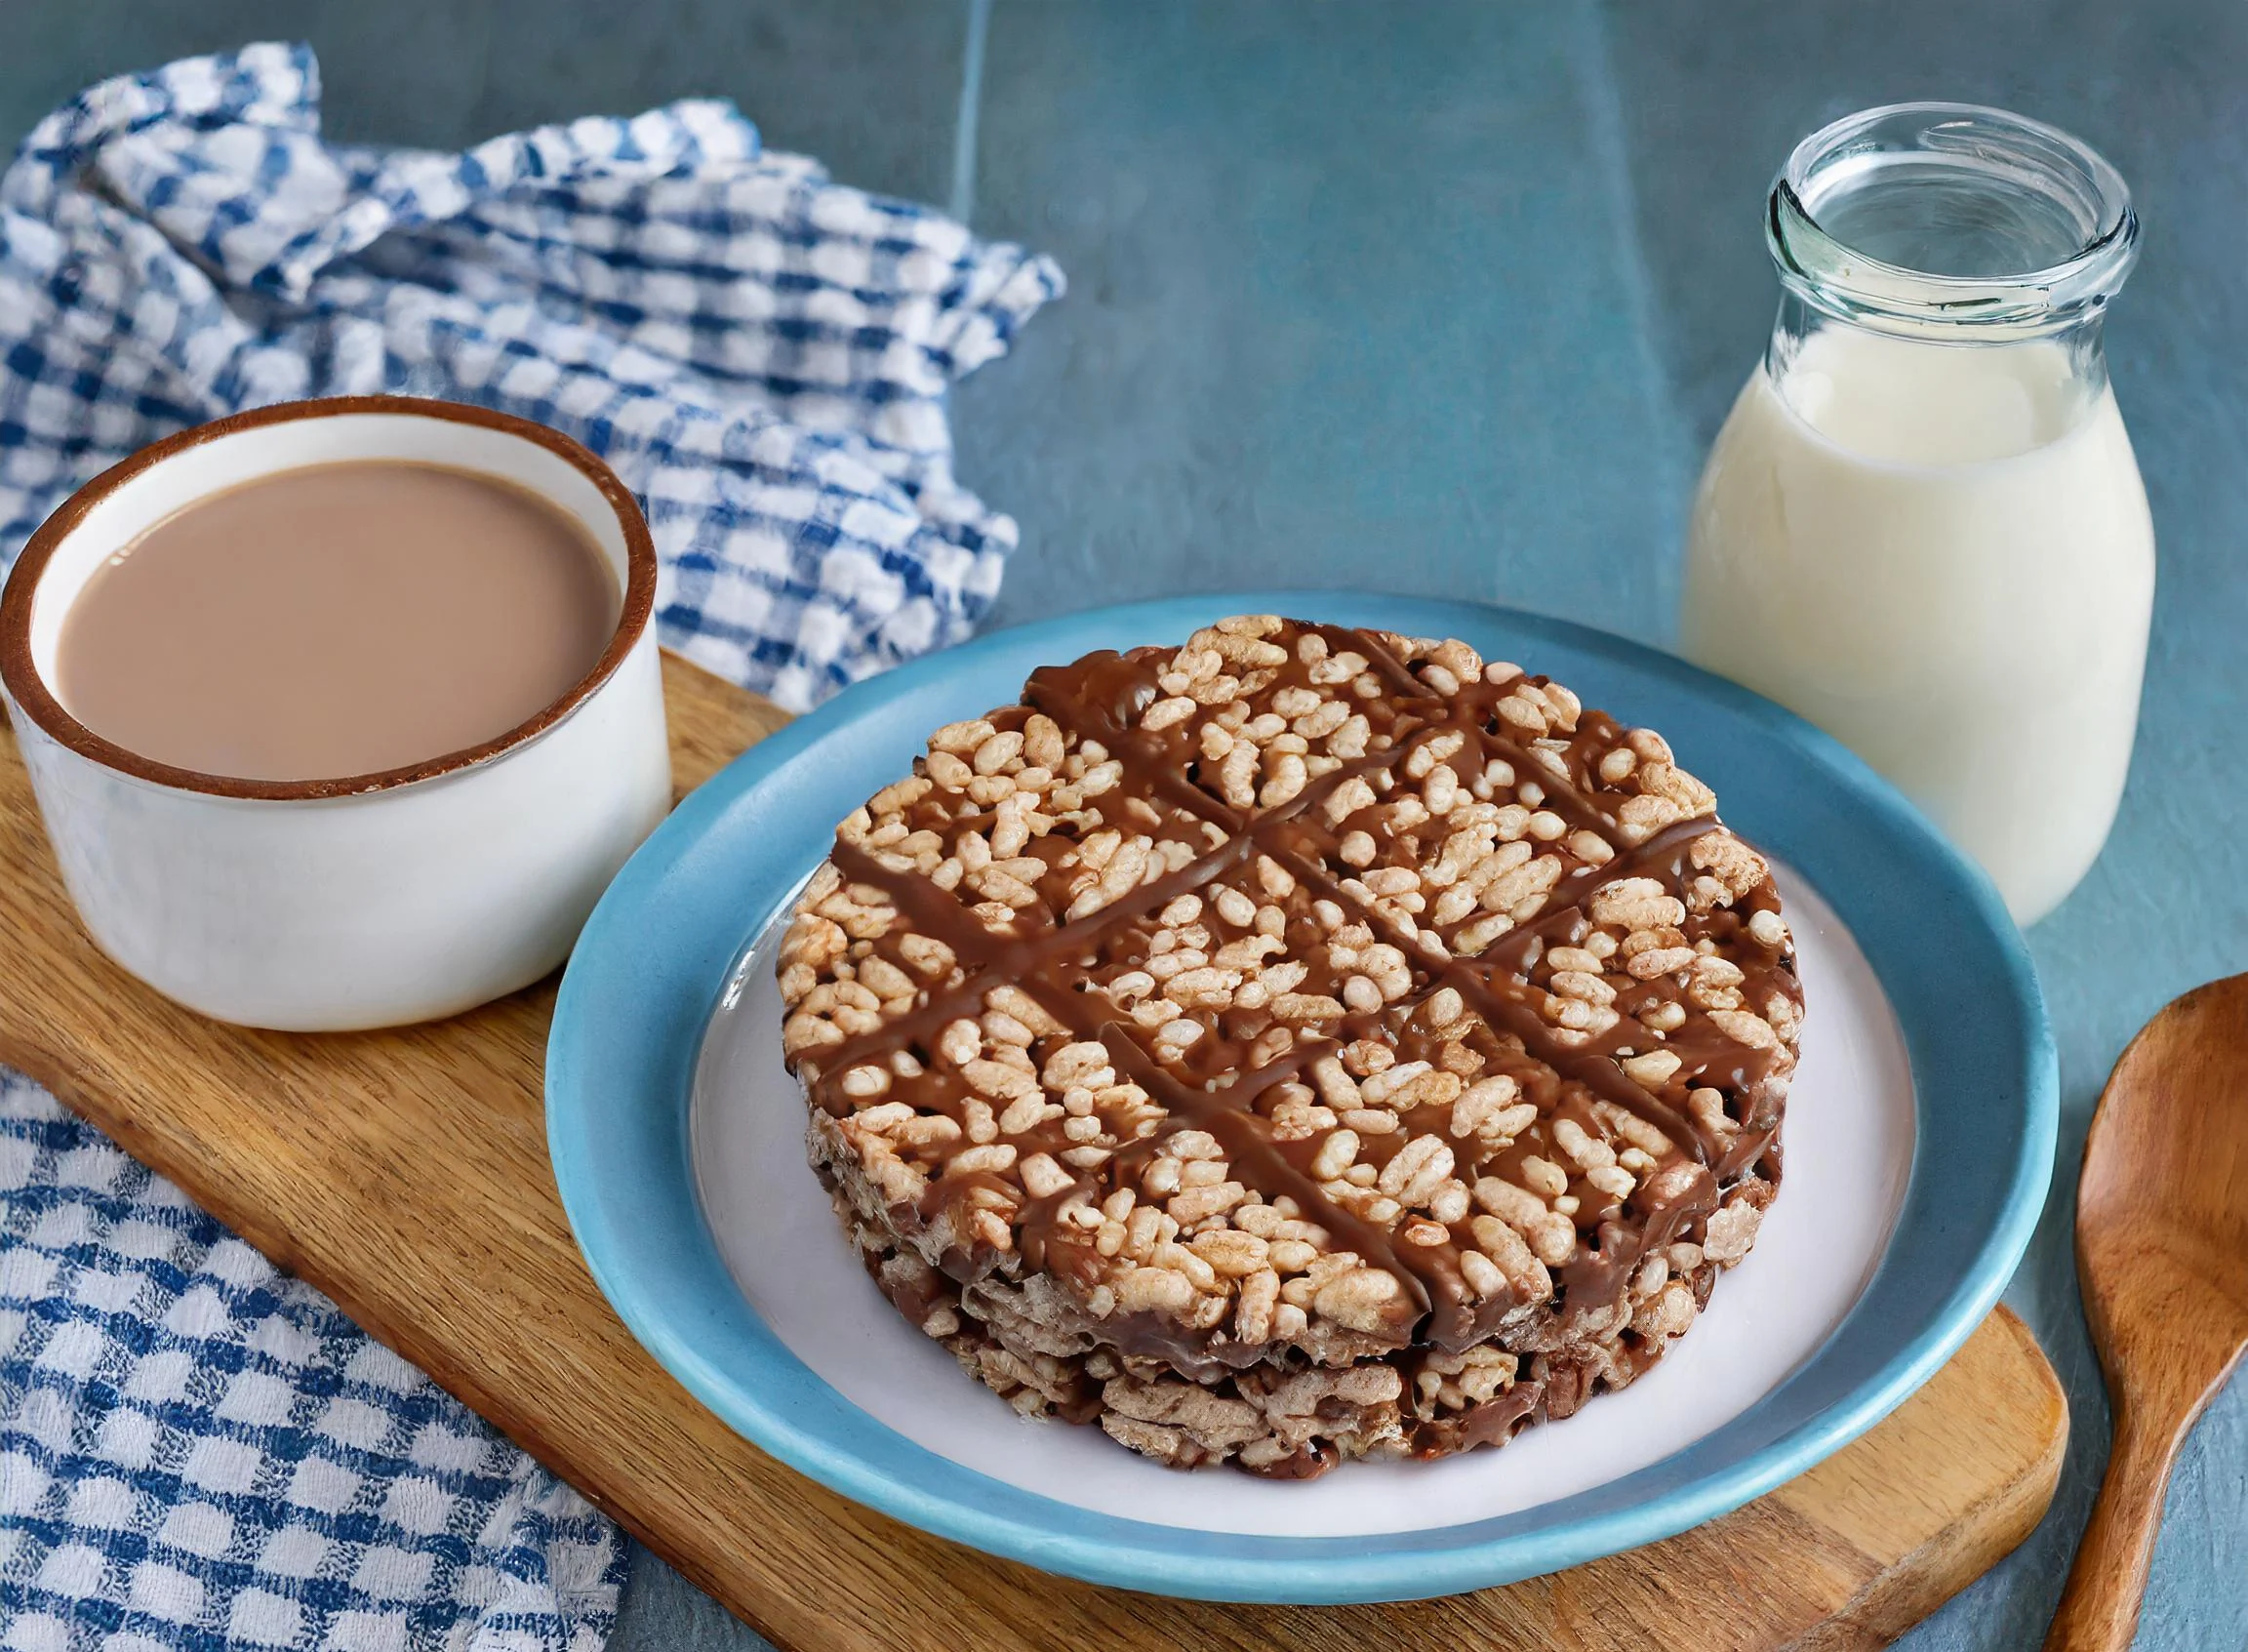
(371, 901)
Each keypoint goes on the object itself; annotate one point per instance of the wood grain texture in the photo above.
(405, 1173)
(2162, 1246)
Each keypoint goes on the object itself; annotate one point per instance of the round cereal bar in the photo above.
(1304, 1044)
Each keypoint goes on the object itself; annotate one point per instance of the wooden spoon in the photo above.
(2162, 1252)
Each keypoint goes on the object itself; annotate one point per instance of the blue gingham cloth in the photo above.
(196, 1451)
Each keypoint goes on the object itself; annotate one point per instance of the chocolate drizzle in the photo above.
(1257, 1159)
(1100, 700)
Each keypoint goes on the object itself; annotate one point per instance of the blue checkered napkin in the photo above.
(195, 1451)
(762, 354)
(199, 1452)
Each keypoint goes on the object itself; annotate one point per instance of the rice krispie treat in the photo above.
(1304, 1044)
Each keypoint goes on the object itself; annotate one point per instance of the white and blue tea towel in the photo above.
(196, 1451)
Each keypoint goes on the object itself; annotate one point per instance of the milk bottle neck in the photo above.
(1948, 266)
(2083, 345)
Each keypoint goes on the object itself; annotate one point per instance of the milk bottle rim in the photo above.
(1950, 222)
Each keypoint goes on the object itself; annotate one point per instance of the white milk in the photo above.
(1941, 555)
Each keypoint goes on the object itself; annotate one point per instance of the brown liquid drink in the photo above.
(335, 620)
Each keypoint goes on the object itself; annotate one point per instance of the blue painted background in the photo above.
(1450, 298)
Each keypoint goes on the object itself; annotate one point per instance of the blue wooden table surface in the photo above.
(1450, 298)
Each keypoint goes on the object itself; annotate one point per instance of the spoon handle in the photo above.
(2100, 1608)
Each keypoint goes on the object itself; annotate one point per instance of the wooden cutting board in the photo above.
(405, 1174)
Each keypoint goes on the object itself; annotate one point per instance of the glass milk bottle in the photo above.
(1922, 526)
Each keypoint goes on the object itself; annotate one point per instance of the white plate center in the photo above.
(1848, 1145)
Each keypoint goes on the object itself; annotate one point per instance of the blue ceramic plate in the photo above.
(1946, 982)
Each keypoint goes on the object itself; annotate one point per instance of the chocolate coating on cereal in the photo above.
(1303, 1003)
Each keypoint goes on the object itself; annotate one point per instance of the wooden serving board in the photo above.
(405, 1173)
